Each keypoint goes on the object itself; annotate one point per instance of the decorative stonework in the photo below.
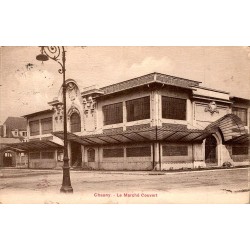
(89, 111)
(89, 103)
(58, 108)
(72, 91)
(212, 108)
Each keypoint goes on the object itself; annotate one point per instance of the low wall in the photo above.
(46, 164)
(120, 166)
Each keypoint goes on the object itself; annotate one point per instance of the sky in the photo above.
(27, 84)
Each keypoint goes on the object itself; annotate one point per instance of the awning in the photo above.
(230, 125)
(32, 146)
(135, 136)
(243, 139)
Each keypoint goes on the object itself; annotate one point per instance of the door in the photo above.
(7, 159)
(76, 154)
(211, 150)
(91, 158)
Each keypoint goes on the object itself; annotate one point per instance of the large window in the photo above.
(240, 150)
(34, 155)
(113, 113)
(143, 151)
(75, 123)
(46, 125)
(175, 150)
(48, 155)
(34, 128)
(113, 152)
(173, 108)
(138, 109)
(241, 113)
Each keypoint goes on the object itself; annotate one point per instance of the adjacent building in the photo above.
(13, 130)
(152, 122)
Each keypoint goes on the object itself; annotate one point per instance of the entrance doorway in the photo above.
(211, 150)
(91, 158)
(7, 159)
(76, 154)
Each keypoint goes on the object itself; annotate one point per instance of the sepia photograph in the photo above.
(124, 125)
(158, 125)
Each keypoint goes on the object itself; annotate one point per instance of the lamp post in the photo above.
(57, 53)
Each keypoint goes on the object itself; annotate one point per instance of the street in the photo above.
(42, 186)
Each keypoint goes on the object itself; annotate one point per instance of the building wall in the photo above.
(91, 113)
(118, 163)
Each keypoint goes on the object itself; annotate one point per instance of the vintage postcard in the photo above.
(151, 125)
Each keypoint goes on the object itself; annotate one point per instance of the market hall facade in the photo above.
(152, 122)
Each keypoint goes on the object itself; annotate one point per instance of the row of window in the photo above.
(46, 126)
(145, 151)
(139, 109)
(42, 155)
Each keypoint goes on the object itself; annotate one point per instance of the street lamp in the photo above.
(57, 53)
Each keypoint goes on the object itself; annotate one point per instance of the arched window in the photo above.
(91, 155)
(75, 123)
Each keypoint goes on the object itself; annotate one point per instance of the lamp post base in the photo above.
(66, 189)
(66, 183)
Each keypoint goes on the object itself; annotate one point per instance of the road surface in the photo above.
(42, 186)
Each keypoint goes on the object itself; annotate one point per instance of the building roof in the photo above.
(230, 125)
(16, 123)
(240, 99)
(32, 146)
(46, 111)
(147, 79)
(164, 134)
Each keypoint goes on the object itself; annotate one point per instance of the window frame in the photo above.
(116, 119)
(113, 153)
(75, 125)
(238, 150)
(236, 108)
(144, 114)
(135, 149)
(175, 112)
(47, 152)
(174, 153)
(36, 132)
(44, 121)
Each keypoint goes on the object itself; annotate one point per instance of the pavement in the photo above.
(208, 186)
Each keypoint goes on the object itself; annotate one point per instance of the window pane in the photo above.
(75, 123)
(113, 113)
(173, 108)
(175, 150)
(138, 151)
(113, 152)
(241, 113)
(34, 128)
(138, 109)
(46, 125)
